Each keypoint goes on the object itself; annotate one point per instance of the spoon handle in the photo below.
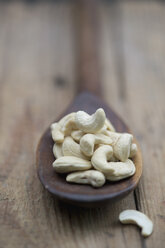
(88, 41)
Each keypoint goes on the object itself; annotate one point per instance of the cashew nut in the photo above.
(65, 118)
(62, 128)
(90, 123)
(57, 150)
(133, 150)
(100, 159)
(93, 177)
(88, 141)
(123, 146)
(136, 217)
(77, 134)
(68, 125)
(71, 148)
(121, 143)
(57, 134)
(69, 163)
(121, 170)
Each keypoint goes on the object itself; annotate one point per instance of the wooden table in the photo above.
(38, 81)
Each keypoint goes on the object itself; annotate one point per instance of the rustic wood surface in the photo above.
(37, 82)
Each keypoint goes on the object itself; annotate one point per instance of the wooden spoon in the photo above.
(85, 195)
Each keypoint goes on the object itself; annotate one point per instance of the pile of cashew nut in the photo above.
(88, 148)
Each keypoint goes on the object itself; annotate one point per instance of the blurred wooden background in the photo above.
(38, 81)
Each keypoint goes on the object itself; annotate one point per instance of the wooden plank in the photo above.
(147, 59)
(139, 42)
(36, 85)
(114, 86)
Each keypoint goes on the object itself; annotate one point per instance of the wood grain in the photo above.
(37, 74)
(140, 44)
(87, 34)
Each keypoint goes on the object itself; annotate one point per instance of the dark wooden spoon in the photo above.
(85, 195)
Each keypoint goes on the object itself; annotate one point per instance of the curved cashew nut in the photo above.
(121, 143)
(123, 146)
(69, 125)
(56, 128)
(93, 177)
(121, 170)
(112, 159)
(71, 148)
(88, 141)
(90, 123)
(100, 158)
(57, 150)
(65, 118)
(77, 134)
(57, 134)
(133, 150)
(69, 163)
(136, 217)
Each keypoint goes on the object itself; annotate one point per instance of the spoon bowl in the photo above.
(84, 195)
